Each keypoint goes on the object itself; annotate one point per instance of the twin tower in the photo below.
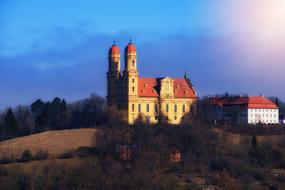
(146, 97)
(122, 84)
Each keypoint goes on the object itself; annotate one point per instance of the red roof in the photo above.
(150, 87)
(130, 48)
(254, 102)
(114, 49)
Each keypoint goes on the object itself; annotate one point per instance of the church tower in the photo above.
(146, 97)
(113, 74)
(131, 72)
(131, 80)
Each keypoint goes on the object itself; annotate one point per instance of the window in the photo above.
(133, 89)
(147, 108)
(139, 107)
(133, 80)
(133, 63)
(183, 108)
(167, 108)
(175, 108)
(175, 117)
(133, 107)
(156, 108)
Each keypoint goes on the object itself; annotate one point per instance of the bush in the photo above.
(27, 156)
(66, 155)
(219, 164)
(86, 151)
(41, 155)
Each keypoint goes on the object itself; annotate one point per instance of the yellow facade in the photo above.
(128, 92)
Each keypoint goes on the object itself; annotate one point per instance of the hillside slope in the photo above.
(55, 142)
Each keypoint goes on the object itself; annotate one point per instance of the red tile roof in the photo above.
(130, 48)
(254, 102)
(147, 87)
(114, 49)
(150, 87)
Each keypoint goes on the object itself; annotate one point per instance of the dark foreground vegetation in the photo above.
(141, 156)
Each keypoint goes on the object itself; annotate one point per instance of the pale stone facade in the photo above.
(146, 97)
(243, 110)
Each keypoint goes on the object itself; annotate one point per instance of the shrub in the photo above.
(41, 155)
(86, 151)
(219, 164)
(27, 155)
(66, 155)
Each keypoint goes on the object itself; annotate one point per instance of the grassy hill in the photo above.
(55, 142)
(225, 159)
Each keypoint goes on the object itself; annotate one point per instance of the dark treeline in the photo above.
(42, 116)
(90, 112)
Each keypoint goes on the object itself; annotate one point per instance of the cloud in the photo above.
(76, 68)
(219, 63)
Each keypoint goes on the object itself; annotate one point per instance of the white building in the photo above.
(243, 110)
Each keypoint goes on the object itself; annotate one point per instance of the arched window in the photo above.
(167, 108)
(133, 89)
(147, 108)
(133, 63)
(133, 107)
(175, 108)
(156, 108)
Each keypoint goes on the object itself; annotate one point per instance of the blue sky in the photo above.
(59, 48)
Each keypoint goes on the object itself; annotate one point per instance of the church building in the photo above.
(148, 98)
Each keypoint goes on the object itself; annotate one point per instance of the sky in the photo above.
(59, 48)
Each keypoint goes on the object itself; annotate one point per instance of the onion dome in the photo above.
(130, 48)
(114, 49)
